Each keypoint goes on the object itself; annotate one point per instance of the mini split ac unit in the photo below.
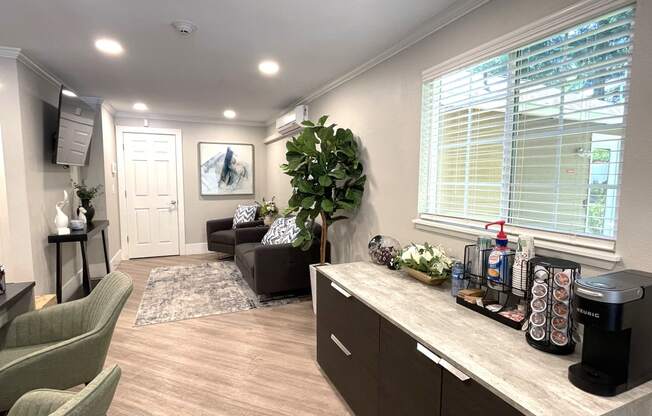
(290, 122)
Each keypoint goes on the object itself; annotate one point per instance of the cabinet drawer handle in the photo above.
(429, 354)
(454, 371)
(342, 291)
(340, 345)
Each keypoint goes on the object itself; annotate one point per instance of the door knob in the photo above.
(173, 202)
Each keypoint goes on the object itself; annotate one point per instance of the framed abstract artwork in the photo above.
(226, 168)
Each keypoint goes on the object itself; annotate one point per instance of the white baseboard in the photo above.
(96, 269)
(196, 248)
(71, 286)
(117, 258)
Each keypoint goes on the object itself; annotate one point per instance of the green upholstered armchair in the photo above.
(61, 346)
(93, 400)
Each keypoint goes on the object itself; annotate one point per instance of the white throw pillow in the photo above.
(244, 213)
(283, 230)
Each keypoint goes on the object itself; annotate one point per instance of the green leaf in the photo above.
(325, 180)
(327, 205)
(338, 173)
(308, 202)
(322, 120)
(308, 123)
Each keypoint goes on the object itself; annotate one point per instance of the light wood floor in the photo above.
(258, 362)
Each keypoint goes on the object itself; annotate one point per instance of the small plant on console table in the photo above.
(86, 195)
(327, 179)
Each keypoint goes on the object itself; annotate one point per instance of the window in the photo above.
(535, 135)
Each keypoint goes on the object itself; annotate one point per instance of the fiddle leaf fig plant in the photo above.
(327, 179)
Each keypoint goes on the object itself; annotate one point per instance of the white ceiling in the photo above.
(315, 41)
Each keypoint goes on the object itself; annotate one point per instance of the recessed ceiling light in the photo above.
(268, 67)
(109, 46)
(68, 93)
(140, 106)
(229, 114)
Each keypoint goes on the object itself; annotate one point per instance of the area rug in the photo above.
(190, 291)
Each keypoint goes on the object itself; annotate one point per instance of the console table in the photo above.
(81, 237)
(18, 299)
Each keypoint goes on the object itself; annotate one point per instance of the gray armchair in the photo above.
(61, 346)
(220, 234)
(278, 268)
(94, 400)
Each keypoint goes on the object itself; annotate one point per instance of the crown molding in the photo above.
(109, 108)
(438, 22)
(18, 55)
(187, 119)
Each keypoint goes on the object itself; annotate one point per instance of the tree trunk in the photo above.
(324, 239)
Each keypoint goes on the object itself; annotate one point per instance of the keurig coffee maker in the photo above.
(616, 311)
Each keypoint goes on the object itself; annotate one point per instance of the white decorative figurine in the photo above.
(61, 220)
(81, 215)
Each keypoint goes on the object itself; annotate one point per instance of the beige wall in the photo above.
(382, 106)
(199, 209)
(111, 201)
(45, 181)
(31, 183)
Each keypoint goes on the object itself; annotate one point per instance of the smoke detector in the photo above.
(184, 27)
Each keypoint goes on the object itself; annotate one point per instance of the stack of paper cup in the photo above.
(524, 252)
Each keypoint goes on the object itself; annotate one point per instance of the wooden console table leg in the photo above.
(106, 253)
(59, 273)
(86, 280)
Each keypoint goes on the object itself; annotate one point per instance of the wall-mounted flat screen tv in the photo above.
(75, 130)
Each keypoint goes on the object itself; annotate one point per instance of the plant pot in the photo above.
(90, 210)
(313, 284)
(269, 219)
(422, 277)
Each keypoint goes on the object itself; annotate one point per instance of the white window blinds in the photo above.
(534, 136)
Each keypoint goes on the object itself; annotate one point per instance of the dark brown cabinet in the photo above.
(469, 398)
(347, 346)
(382, 371)
(409, 376)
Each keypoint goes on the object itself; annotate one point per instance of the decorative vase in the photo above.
(383, 249)
(269, 219)
(90, 210)
(427, 279)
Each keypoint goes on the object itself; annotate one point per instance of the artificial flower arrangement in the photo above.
(268, 210)
(426, 262)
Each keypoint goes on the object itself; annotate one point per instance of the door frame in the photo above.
(122, 182)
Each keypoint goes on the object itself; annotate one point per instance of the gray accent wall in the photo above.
(382, 106)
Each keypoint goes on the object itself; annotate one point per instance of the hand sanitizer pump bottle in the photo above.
(498, 263)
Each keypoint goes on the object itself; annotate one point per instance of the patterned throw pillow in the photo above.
(282, 231)
(244, 213)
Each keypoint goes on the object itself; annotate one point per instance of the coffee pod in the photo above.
(560, 309)
(559, 323)
(562, 279)
(559, 338)
(541, 274)
(538, 305)
(539, 290)
(560, 294)
(537, 333)
(538, 319)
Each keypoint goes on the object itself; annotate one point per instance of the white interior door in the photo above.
(151, 194)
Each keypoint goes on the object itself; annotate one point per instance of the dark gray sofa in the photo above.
(220, 234)
(270, 269)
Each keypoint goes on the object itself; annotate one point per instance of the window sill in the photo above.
(583, 254)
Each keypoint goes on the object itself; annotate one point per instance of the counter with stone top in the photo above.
(497, 357)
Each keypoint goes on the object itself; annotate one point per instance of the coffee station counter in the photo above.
(464, 343)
